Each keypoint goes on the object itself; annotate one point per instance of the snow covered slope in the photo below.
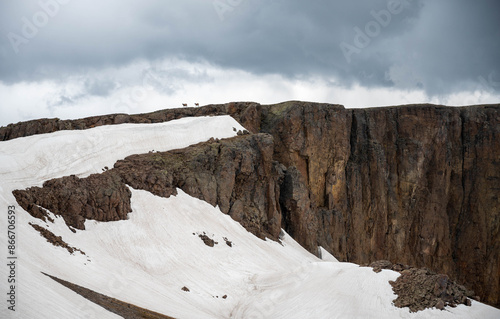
(147, 259)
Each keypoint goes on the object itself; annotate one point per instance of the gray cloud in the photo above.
(438, 46)
(99, 88)
(167, 79)
(90, 87)
(63, 100)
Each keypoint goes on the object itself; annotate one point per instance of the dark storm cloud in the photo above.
(439, 46)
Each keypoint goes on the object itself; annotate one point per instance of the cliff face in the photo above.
(418, 184)
(476, 244)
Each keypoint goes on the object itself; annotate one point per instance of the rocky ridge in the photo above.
(415, 184)
(46, 125)
(236, 174)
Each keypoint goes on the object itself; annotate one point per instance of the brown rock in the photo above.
(440, 304)
(419, 289)
(228, 242)
(236, 174)
(207, 240)
(121, 308)
(417, 184)
(297, 218)
(248, 113)
(54, 240)
(381, 264)
(102, 197)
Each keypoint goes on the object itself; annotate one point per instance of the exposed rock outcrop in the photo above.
(312, 140)
(419, 289)
(242, 111)
(385, 264)
(55, 240)
(236, 174)
(417, 184)
(102, 197)
(121, 308)
(299, 220)
(207, 240)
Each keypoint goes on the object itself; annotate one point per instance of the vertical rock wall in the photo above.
(416, 184)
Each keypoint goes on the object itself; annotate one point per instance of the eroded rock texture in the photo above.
(242, 112)
(236, 174)
(102, 197)
(418, 184)
(419, 289)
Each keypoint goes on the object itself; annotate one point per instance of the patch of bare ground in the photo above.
(420, 288)
(207, 240)
(55, 240)
(228, 242)
(121, 308)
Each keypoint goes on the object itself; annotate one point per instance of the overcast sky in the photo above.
(69, 58)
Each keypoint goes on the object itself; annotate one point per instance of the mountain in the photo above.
(173, 210)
